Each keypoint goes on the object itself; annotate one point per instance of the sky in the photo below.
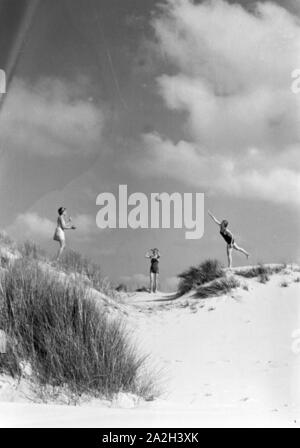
(162, 96)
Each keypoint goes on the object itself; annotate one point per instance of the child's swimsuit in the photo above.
(154, 265)
(227, 237)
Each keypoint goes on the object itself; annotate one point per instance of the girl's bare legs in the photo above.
(151, 282)
(61, 249)
(229, 256)
(240, 249)
(155, 283)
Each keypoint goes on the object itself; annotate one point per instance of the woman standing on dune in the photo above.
(154, 256)
(228, 237)
(63, 224)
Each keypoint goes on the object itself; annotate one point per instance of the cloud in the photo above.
(233, 71)
(230, 77)
(292, 5)
(32, 226)
(50, 119)
(276, 180)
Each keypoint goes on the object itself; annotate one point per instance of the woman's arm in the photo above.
(214, 219)
(148, 255)
(66, 226)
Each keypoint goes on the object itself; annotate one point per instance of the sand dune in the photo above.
(226, 361)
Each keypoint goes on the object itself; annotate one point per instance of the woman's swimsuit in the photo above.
(154, 265)
(227, 237)
(59, 234)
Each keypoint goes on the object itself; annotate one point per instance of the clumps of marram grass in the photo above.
(284, 284)
(6, 240)
(195, 277)
(65, 338)
(142, 289)
(122, 288)
(297, 280)
(261, 272)
(217, 288)
(31, 250)
(73, 262)
(264, 278)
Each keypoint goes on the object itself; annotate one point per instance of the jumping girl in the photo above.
(154, 256)
(63, 224)
(228, 237)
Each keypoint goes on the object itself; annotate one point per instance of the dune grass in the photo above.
(65, 338)
(261, 272)
(29, 249)
(195, 277)
(216, 288)
(6, 240)
(73, 262)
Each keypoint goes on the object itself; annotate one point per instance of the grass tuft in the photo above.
(216, 288)
(73, 262)
(65, 337)
(31, 250)
(194, 277)
(261, 272)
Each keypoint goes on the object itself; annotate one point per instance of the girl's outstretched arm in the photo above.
(67, 226)
(214, 219)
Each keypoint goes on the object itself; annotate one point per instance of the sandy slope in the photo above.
(226, 361)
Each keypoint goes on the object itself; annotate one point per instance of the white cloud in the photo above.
(234, 71)
(50, 120)
(32, 226)
(276, 180)
(231, 77)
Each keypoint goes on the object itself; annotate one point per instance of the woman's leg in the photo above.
(151, 282)
(155, 283)
(229, 256)
(240, 249)
(62, 244)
